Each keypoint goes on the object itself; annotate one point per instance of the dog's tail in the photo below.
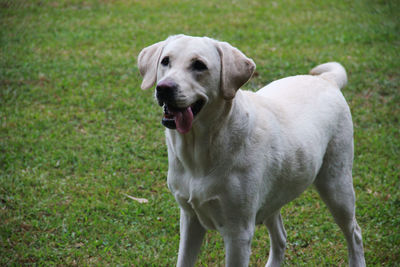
(333, 72)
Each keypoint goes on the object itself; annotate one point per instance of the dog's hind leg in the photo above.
(335, 186)
(277, 235)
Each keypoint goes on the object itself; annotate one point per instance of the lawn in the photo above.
(78, 136)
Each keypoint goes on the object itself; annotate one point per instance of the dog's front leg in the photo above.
(191, 237)
(238, 247)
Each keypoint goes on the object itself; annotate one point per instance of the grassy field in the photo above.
(77, 134)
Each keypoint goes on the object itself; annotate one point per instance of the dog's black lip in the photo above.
(169, 123)
(197, 106)
(168, 120)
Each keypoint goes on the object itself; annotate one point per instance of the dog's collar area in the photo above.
(181, 118)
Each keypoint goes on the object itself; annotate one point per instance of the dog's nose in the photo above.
(166, 91)
(166, 86)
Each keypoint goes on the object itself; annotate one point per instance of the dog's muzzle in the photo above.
(179, 118)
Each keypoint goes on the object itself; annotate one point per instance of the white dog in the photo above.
(236, 157)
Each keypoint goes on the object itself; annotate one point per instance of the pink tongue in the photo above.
(183, 120)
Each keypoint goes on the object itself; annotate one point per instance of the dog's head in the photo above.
(190, 73)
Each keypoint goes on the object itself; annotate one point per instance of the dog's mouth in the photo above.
(181, 119)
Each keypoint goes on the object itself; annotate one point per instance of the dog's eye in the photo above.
(199, 65)
(165, 61)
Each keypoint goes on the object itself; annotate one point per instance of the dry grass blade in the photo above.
(140, 200)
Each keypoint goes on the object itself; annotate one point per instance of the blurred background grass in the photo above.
(77, 133)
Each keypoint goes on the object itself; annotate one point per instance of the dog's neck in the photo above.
(198, 149)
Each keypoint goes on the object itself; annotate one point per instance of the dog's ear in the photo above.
(236, 69)
(148, 62)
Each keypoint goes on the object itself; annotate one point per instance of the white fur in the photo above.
(248, 154)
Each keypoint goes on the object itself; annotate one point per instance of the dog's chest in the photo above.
(209, 211)
(200, 198)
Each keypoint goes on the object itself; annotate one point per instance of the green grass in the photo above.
(77, 133)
